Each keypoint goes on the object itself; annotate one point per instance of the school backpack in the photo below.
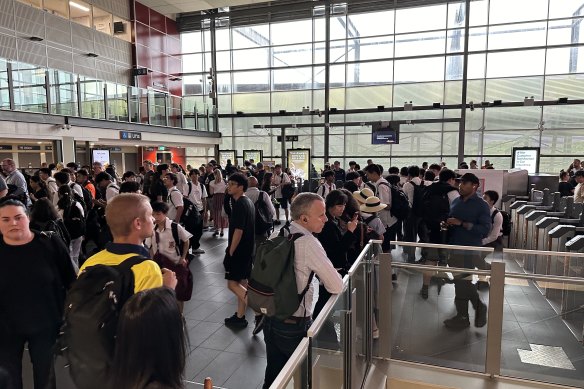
(92, 308)
(74, 221)
(400, 206)
(86, 200)
(506, 227)
(435, 203)
(59, 228)
(418, 200)
(263, 218)
(190, 216)
(272, 288)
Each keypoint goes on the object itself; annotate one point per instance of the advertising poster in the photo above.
(256, 155)
(102, 156)
(299, 162)
(526, 158)
(224, 155)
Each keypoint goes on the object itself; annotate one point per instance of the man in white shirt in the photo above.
(383, 191)
(174, 199)
(181, 184)
(308, 218)
(256, 195)
(197, 194)
(413, 188)
(105, 181)
(279, 179)
(579, 190)
(52, 187)
(329, 184)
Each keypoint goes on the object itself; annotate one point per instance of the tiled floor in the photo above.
(532, 333)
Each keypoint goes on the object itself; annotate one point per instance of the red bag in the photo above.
(184, 286)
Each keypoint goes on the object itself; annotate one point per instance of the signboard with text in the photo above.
(256, 155)
(130, 135)
(224, 155)
(526, 158)
(28, 147)
(299, 162)
(102, 156)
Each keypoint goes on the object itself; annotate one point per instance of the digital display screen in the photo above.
(102, 156)
(385, 133)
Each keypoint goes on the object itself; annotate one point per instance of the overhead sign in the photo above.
(299, 162)
(130, 135)
(526, 158)
(289, 138)
(28, 147)
(5, 147)
(385, 133)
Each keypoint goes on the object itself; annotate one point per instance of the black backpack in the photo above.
(506, 227)
(263, 218)
(272, 288)
(418, 200)
(435, 203)
(400, 206)
(92, 308)
(74, 221)
(86, 200)
(59, 228)
(190, 216)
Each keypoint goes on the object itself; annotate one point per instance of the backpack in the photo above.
(74, 221)
(418, 200)
(435, 203)
(272, 288)
(178, 243)
(263, 218)
(506, 227)
(400, 206)
(190, 216)
(86, 200)
(59, 228)
(92, 308)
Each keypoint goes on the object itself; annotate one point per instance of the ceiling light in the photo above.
(79, 6)
(39, 143)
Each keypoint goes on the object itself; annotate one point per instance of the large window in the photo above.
(517, 49)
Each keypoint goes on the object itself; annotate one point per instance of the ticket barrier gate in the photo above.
(573, 301)
(549, 202)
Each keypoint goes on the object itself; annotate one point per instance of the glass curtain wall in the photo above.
(517, 49)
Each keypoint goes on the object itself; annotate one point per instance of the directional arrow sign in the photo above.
(547, 356)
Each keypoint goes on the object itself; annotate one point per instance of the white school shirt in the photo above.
(198, 193)
(174, 200)
(167, 244)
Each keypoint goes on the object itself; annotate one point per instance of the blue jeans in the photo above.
(281, 341)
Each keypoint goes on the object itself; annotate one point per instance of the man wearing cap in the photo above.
(468, 223)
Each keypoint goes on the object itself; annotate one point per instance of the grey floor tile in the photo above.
(197, 361)
(221, 368)
(249, 375)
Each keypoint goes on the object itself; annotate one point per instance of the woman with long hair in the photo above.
(44, 217)
(150, 321)
(217, 188)
(39, 189)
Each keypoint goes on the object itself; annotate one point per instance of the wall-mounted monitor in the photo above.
(384, 133)
(102, 156)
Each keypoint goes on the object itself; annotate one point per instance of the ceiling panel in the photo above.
(171, 7)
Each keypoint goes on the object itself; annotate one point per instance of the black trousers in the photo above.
(197, 234)
(389, 235)
(464, 290)
(41, 347)
(281, 341)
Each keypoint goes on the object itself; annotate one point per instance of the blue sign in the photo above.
(130, 135)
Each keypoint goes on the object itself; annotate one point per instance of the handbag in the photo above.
(184, 277)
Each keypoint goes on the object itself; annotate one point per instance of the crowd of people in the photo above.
(65, 220)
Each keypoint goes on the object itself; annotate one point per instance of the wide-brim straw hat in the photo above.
(362, 195)
(371, 205)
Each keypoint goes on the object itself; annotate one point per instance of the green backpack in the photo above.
(272, 289)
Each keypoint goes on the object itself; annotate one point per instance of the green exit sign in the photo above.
(161, 148)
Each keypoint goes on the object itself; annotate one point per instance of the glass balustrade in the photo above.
(533, 329)
(35, 89)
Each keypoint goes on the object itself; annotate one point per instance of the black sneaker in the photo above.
(424, 292)
(259, 324)
(481, 315)
(235, 321)
(458, 322)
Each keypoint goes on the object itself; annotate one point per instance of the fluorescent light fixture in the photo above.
(79, 6)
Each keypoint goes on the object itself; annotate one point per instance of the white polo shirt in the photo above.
(174, 200)
(168, 246)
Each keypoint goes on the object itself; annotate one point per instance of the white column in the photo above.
(68, 149)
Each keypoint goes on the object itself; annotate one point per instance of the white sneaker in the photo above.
(199, 251)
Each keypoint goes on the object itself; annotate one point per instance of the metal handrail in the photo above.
(443, 269)
(362, 255)
(316, 325)
(546, 253)
(291, 366)
(535, 277)
(441, 246)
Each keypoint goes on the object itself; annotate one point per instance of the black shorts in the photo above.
(237, 269)
(283, 203)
